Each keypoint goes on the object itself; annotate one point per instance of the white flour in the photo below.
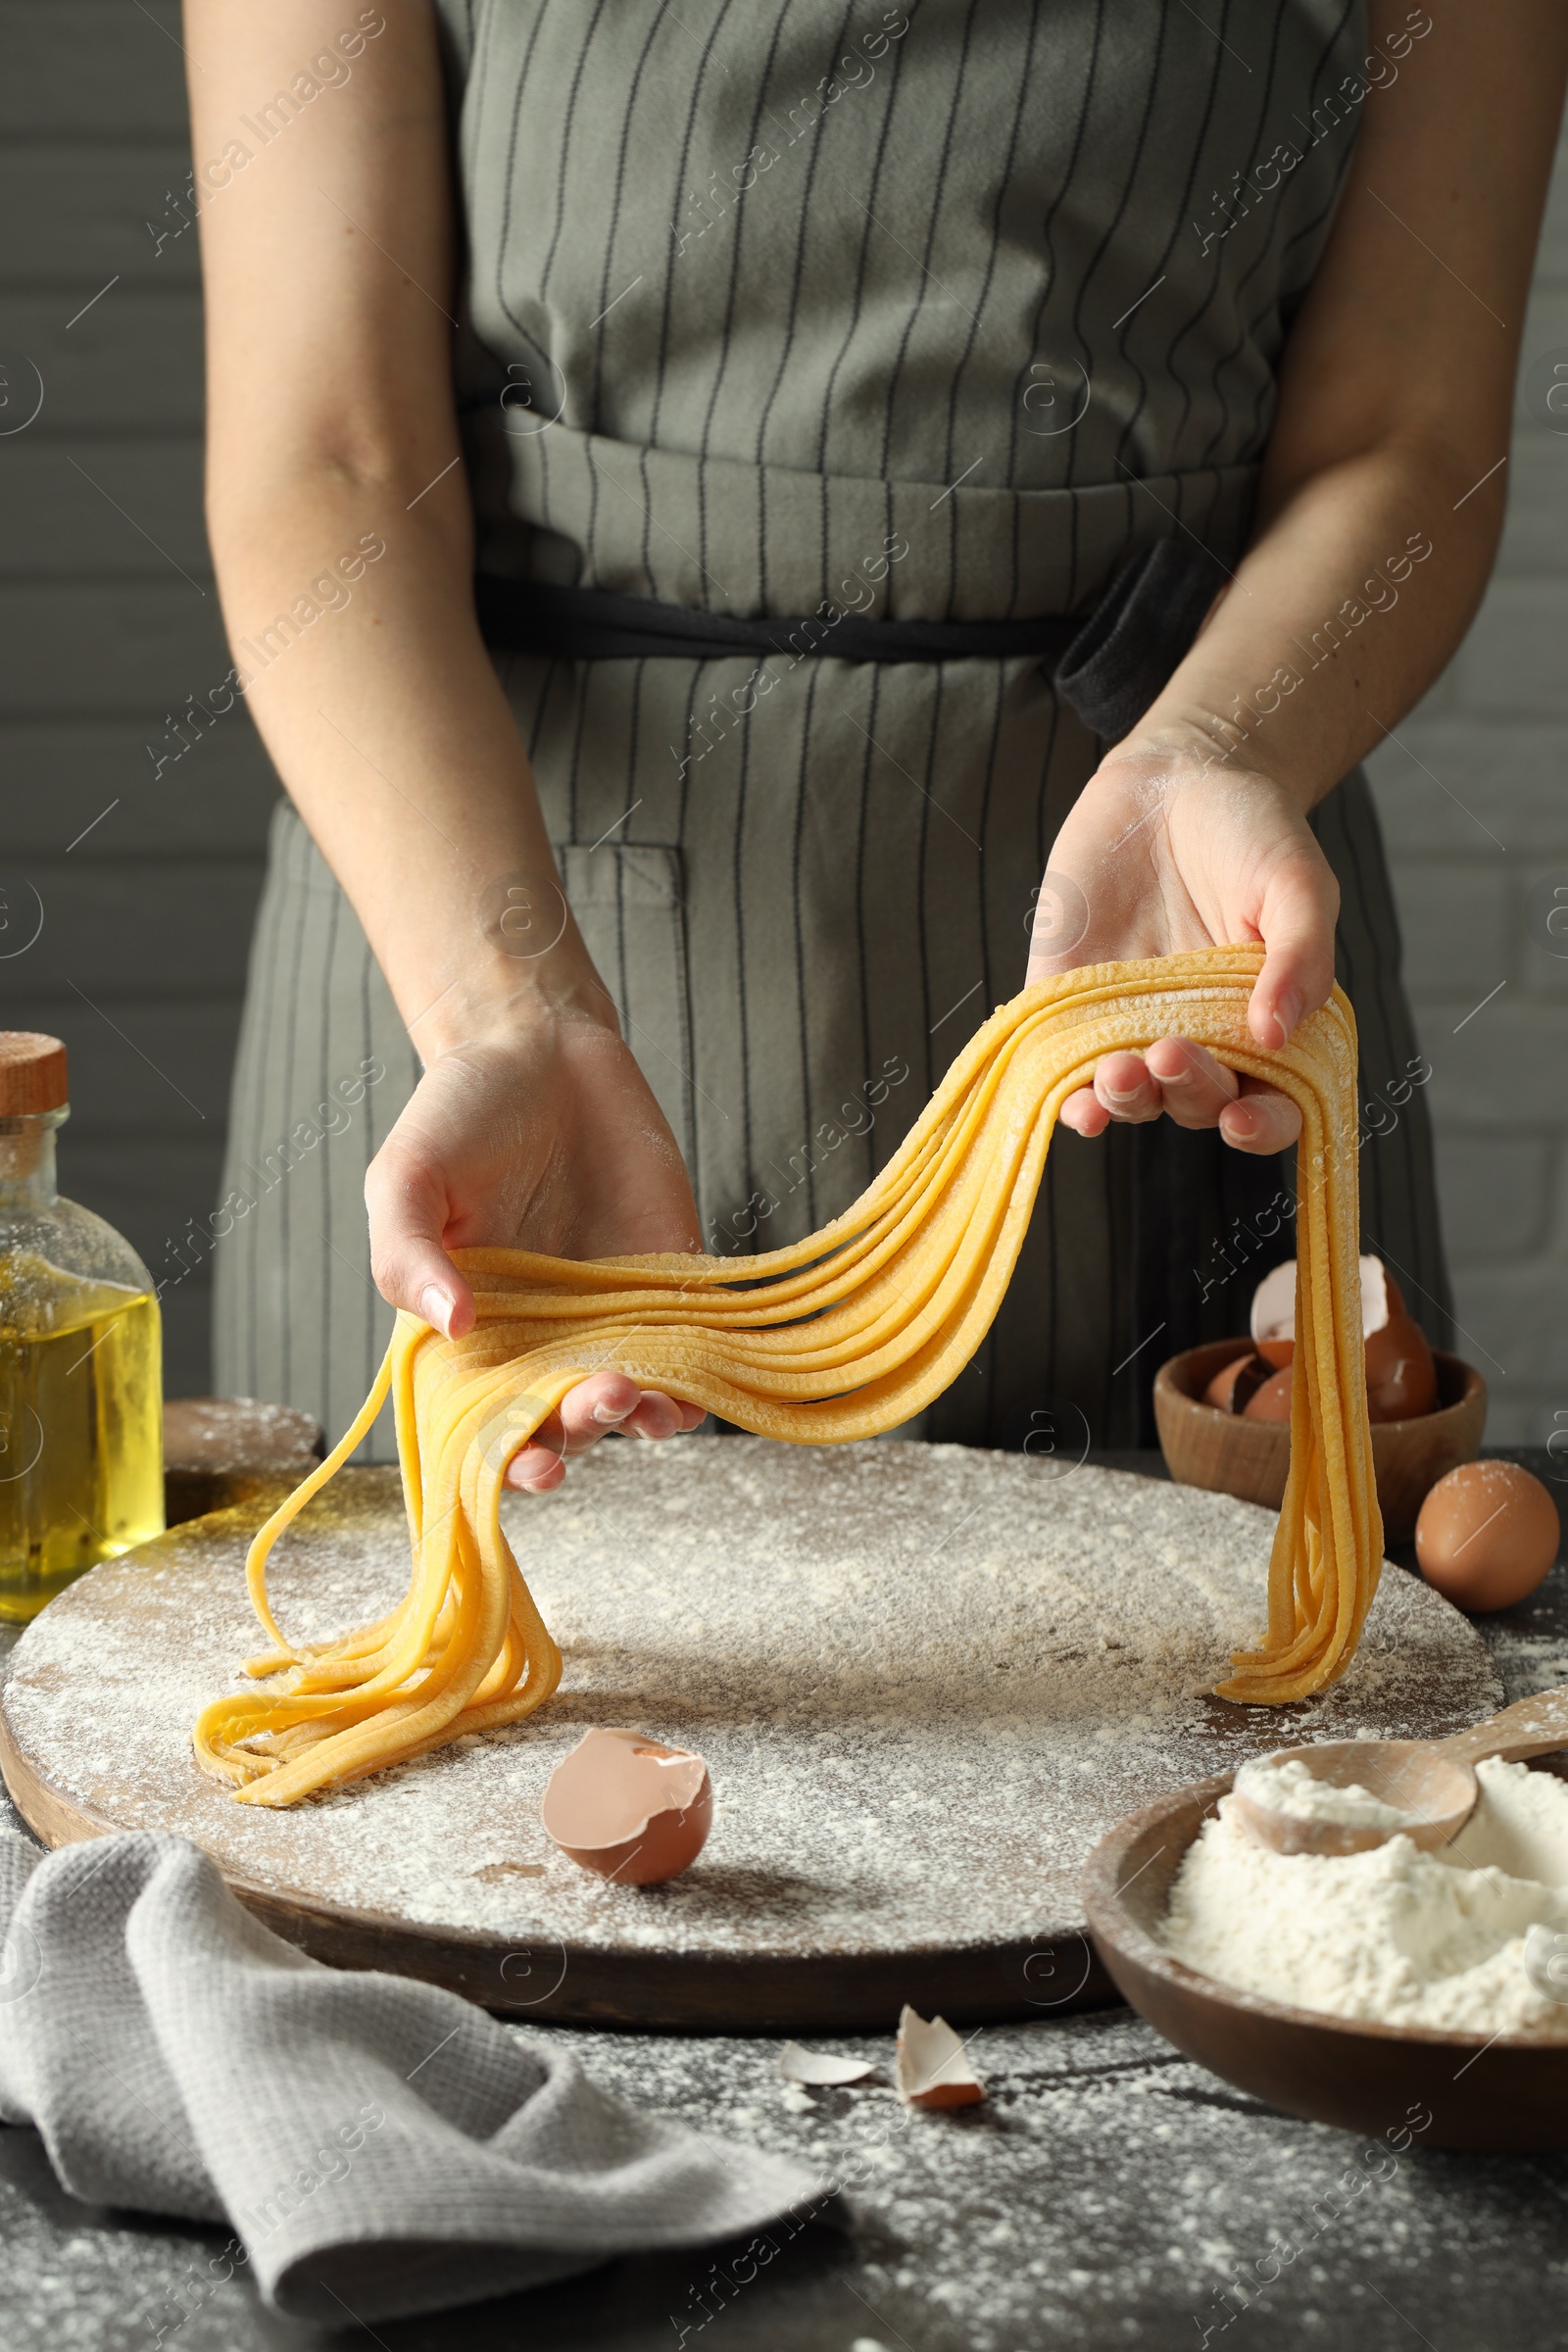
(1288, 1787)
(1396, 1936)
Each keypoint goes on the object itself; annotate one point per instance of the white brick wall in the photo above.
(1494, 734)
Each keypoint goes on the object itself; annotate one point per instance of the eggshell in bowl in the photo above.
(1273, 1315)
(1401, 1379)
(1235, 1383)
(1272, 1401)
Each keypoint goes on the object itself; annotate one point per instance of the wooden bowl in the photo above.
(1231, 1455)
(1509, 2093)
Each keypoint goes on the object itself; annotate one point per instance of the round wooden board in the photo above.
(927, 1679)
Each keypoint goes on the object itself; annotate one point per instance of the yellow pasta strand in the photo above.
(845, 1335)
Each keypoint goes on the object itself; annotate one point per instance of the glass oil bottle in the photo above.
(81, 1470)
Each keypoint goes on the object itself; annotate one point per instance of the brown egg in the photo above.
(1235, 1383)
(622, 1805)
(1278, 1352)
(1272, 1401)
(1486, 1534)
(1401, 1379)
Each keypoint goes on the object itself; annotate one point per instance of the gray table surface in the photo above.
(1107, 2193)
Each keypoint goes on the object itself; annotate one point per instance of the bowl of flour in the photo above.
(1363, 1989)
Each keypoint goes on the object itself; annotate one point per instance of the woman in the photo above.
(795, 325)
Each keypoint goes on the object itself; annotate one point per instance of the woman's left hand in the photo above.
(1173, 852)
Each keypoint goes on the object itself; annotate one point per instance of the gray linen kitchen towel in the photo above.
(374, 2142)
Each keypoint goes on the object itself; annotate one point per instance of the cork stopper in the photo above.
(33, 1073)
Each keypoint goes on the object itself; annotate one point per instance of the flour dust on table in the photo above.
(925, 1678)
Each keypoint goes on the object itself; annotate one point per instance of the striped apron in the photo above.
(927, 315)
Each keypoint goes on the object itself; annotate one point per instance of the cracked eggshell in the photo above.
(1235, 1383)
(1272, 1401)
(1273, 1316)
(628, 1808)
(1402, 1376)
(932, 2066)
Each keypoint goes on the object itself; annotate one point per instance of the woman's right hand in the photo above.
(544, 1137)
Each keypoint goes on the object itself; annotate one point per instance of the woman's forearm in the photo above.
(330, 265)
(350, 613)
(1349, 603)
(1383, 488)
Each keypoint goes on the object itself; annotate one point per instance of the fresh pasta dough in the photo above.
(847, 1333)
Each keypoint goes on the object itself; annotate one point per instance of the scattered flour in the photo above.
(1395, 1935)
(925, 1677)
(1288, 1787)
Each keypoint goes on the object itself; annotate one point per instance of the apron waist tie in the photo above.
(1109, 667)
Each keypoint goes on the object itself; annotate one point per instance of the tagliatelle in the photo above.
(845, 1335)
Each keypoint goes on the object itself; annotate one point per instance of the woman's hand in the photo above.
(1173, 851)
(545, 1137)
(1377, 518)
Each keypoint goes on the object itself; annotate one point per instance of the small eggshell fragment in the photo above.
(819, 2068)
(1234, 1383)
(1486, 1534)
(1272, 1401)
(931, 2068)
(1401, 1378)
(628, 1808)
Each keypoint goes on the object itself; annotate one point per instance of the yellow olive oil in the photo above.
(81, 1469)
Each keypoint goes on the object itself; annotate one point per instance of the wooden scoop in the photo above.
(1432, 1781)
